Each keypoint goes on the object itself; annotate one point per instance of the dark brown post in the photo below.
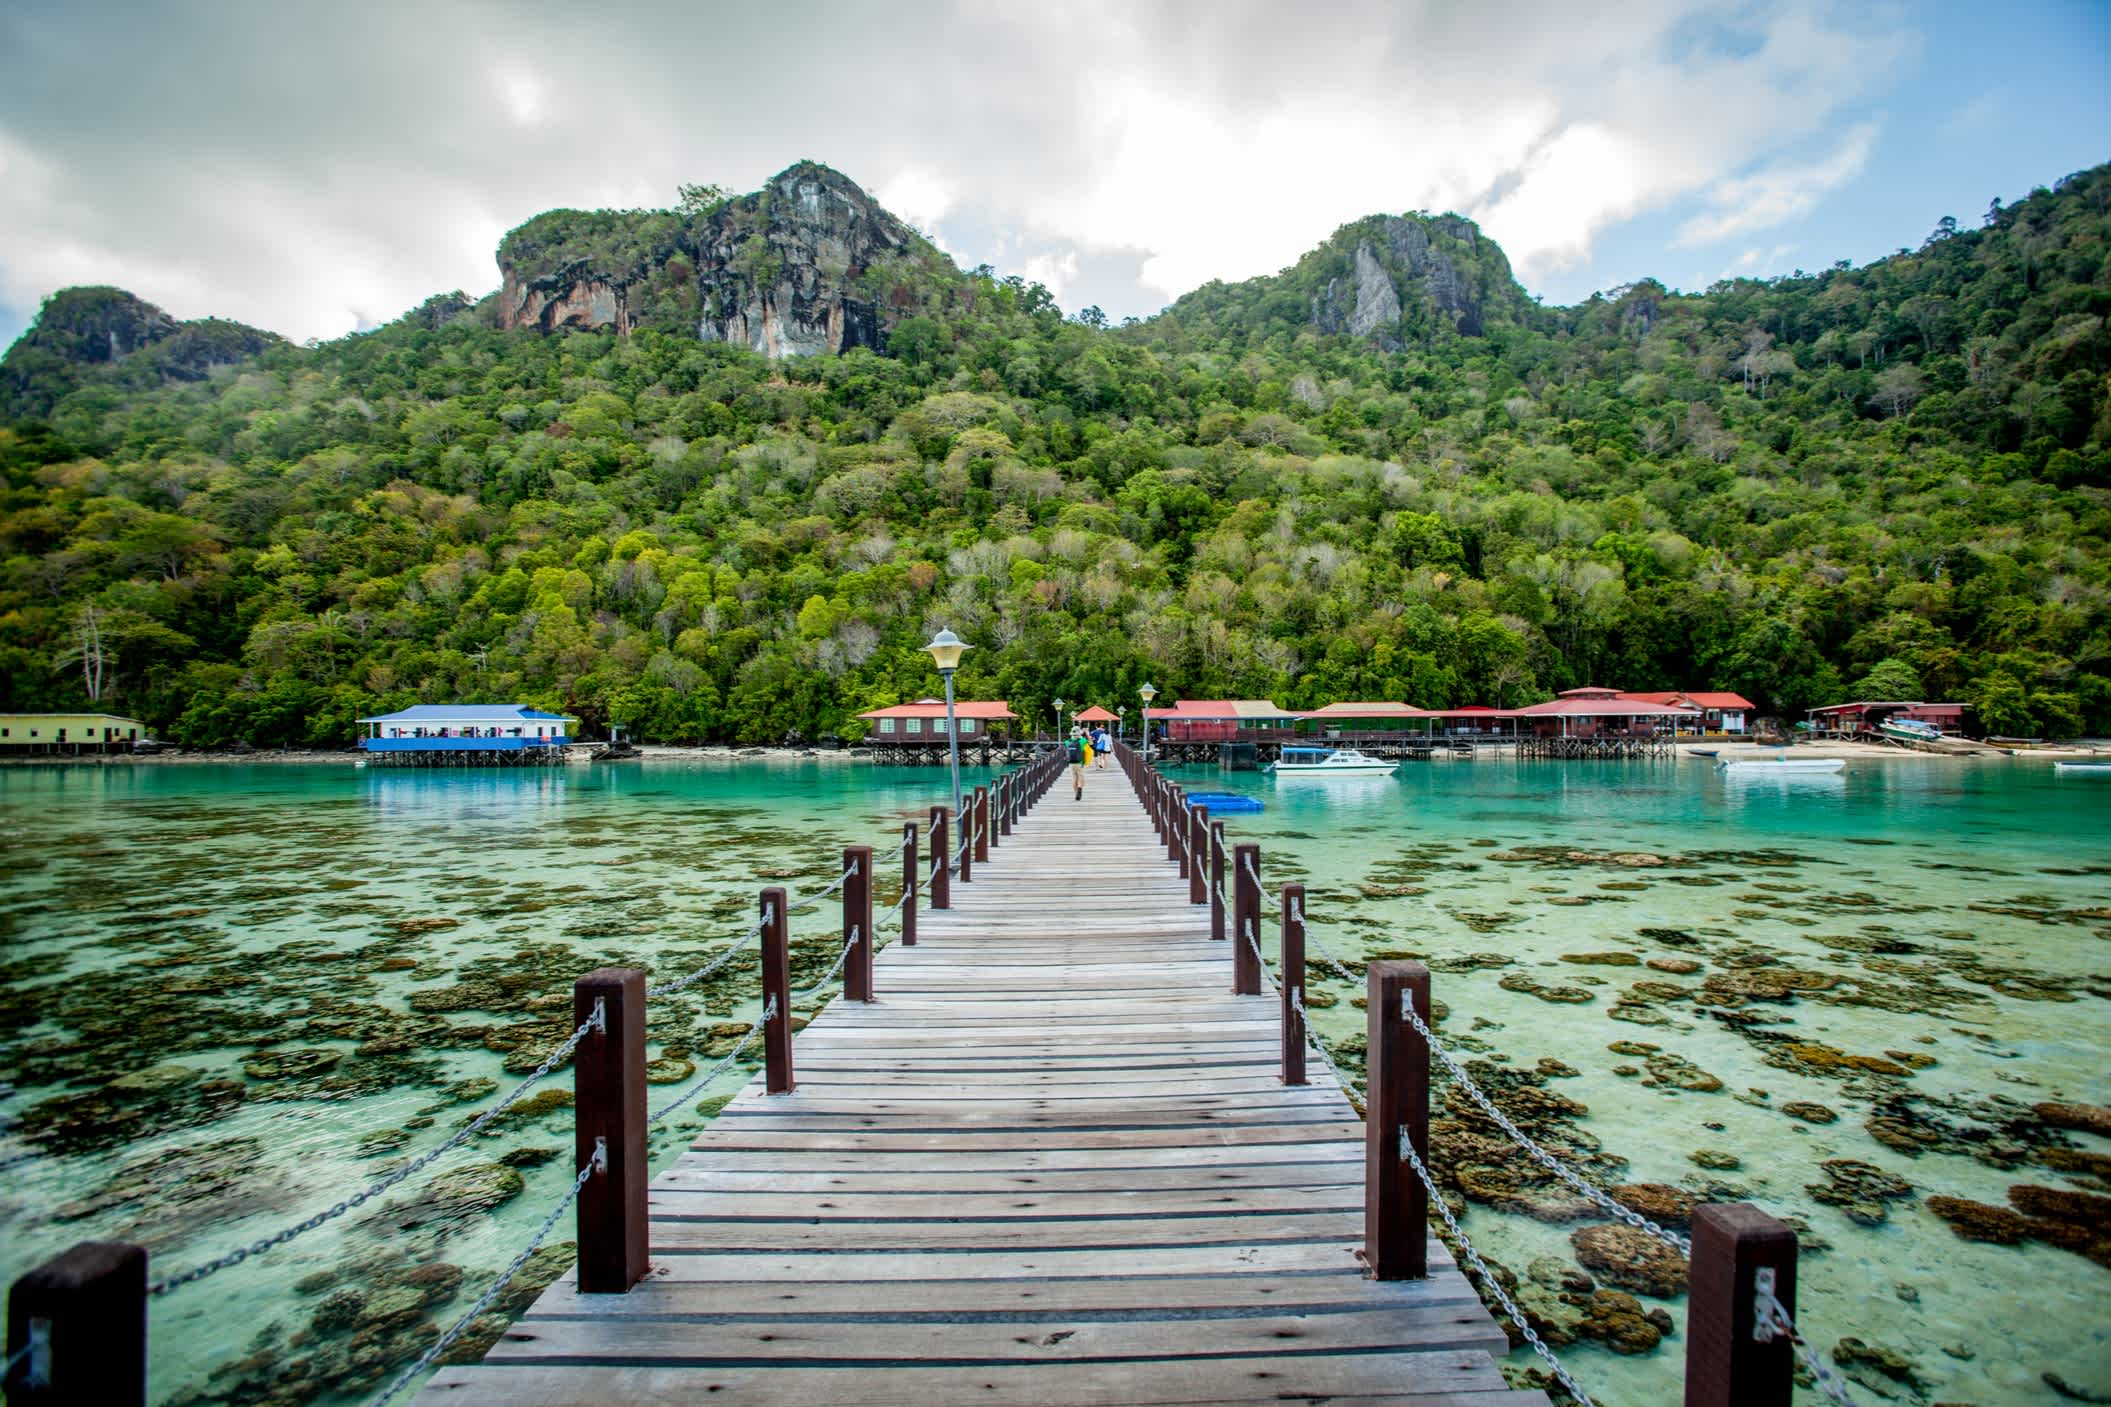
(1246, 920)
(88, 1307)
(1216, 881)
(1154, 801)
(1293, 984)
(1395, 1204)
(993, 812)
(1198, 854)
(941, 875)
(857, 918)
(608, 1092)
(966, 843)
(777, 990)
(1176, 829)
(909, 877)
(1007, 801)
(1725, 1365)
(982, 825)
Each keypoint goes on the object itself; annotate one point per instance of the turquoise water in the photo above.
(231, 991)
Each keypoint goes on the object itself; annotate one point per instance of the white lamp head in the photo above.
(1147, 693)
(945, 650)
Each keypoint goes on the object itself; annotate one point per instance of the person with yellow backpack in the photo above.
(1077, 752)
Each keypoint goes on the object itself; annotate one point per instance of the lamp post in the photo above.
(1059, 722)
(1121, 720)
(1147, 693)
(945, 650)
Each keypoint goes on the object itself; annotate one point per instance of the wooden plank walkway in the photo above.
(1052, 1163)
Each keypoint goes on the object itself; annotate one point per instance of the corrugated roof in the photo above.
(1094, 714)
(1700, 698)
(466, 713)
(1599, 708)
(1379, 709)
(936, 708)
(1222, 710)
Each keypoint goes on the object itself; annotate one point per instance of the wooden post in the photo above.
(909, 878)
(87, 1306)
(608, 1093)
(1176, 829)
(1216, 881)
(966, 843)
(777, 986)
(857, 918)
(1198, 854)
(982, 825)
(1395, 1204)
(941, 872)
(1293, 984)
(1246, 920)
(1725, 1365)
(1007, 802)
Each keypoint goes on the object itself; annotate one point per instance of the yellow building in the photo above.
(68, 732)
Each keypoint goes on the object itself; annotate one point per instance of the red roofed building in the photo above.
(1220, 720)
(1720, 712)
(909, 723)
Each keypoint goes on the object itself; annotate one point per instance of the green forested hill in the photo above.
(1892, 480)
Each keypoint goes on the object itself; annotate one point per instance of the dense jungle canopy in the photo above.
(1892, 481)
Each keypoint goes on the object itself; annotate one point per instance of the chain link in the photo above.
(1777, 1321)
(1327, 957)
(597, 1163)
(769, 1014)
(806, 905)
(596, 1022)
(1247, 930)
(683, 984)
(1539, 1155)
(1495, 1286)
(851, 942)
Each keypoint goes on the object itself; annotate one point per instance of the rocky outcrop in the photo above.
(1423, 255)
(786, 271)
(84, 334)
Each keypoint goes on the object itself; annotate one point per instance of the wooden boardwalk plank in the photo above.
(1053, 1163)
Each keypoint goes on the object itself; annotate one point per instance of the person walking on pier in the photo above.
(1100, 749)
(1074, 751)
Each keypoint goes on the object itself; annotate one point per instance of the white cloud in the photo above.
(303, 167)
(1783, 191)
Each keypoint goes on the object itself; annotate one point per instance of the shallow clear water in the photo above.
(312, 944)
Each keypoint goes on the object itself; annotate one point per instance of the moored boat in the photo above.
(1328, 762)
(2081, 769)
(1766, 766)
(1909, 730)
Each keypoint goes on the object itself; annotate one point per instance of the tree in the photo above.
(1890, 679)
(86, 650)
(1898, 388)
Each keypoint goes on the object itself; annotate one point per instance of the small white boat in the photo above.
(1768, 766)
(1328, 762)
(2081, 769)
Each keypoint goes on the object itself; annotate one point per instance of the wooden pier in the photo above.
(1052, 1162)
(1052, 1146)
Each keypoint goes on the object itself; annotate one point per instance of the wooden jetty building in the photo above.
(914, 734)
(466, 735)
(68, 733)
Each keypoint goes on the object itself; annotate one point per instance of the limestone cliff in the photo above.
(803, 265)
(83, 334)
(1394, 279)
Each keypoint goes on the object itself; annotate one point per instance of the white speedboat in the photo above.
(1769, 766)
(2081, 769)
(1328, 762)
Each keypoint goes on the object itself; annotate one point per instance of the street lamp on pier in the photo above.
(945, 650)
(1147, 693)
(1059, 722)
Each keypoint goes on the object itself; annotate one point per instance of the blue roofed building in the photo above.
(467, 734)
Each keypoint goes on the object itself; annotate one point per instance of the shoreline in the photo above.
(1845, 749)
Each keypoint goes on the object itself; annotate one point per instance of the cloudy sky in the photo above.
(316, 168)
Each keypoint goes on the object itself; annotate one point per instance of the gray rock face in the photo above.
(778, 271)
(1377, 304)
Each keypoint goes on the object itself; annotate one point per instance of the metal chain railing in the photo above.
(848, 943)
(596, 1022)
(1495, 1286)
(769, 1014)
(1589, 1191)
(1773, 1319)
(806, 904)
(683, 984)
(1327, 957)
(598, 1163)
(1247, 930)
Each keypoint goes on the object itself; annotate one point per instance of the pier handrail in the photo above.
(1739, 1331)
(77, 1348)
